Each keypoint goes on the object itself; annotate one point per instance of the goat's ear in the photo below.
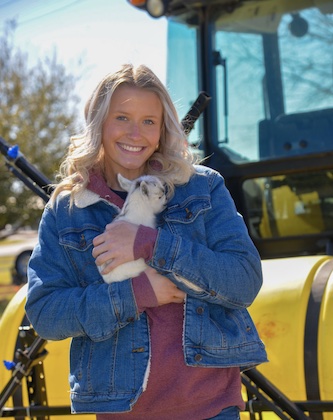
(124, 182)
(144, 188)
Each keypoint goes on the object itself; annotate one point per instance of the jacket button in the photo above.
(130, 319)
(200, 310)
(189, 214)
(198, 357)
(161, 262)
(138, 350)
(212, 293)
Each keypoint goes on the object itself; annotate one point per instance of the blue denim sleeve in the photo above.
(226, 269)
(59, 307)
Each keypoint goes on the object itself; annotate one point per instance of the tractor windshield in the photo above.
(274, 79)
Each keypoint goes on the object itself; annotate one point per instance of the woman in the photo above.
(169, 343)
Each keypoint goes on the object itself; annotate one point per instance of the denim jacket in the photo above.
(202, 246)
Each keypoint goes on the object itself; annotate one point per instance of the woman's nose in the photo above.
(134, 132)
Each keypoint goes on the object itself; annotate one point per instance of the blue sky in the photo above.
(103, 33)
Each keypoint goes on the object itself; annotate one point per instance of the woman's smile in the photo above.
(130, 148)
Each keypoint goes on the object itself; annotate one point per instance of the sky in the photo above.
(103, 34)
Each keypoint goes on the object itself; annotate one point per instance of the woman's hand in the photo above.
(115, 245)
(165, 291)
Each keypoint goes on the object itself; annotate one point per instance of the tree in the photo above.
(38, 111)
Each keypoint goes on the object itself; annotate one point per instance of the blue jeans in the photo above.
(230, 413)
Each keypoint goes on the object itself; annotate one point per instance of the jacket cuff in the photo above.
(144, 243)
(144, 293)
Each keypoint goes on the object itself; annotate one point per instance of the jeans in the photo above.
(230, 413)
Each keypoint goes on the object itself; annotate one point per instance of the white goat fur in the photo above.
(146, 198)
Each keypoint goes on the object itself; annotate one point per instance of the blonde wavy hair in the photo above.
(172, 162)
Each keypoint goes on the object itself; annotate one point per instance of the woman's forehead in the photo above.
(126, 96)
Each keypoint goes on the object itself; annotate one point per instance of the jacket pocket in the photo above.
(190, 212)
(77, 243)
(218, 328)
(108, 369)
(216, 336)
(92, 368)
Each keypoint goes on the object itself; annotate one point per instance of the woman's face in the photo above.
(131, 132)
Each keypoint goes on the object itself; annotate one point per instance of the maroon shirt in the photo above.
(174, 390)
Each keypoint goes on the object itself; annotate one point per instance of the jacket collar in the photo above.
(97, 190)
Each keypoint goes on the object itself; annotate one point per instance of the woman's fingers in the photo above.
(115, 245)
(165, 291)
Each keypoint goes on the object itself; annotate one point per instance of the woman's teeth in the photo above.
(131, 148)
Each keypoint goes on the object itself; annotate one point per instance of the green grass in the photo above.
(8, 242)
(6, 264)
(3, 304)
(6, 293)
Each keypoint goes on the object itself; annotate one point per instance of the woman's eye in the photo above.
(121, 118)
(149, 122)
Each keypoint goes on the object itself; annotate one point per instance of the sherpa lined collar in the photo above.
(97, 190)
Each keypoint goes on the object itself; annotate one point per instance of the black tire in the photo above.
(20, 267)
